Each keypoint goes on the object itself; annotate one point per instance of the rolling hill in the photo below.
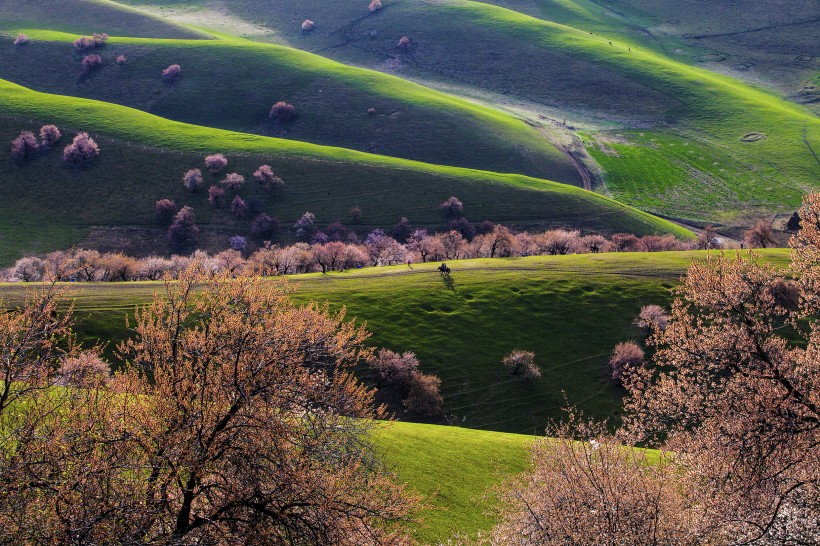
(231, 84)
(597, 67)
(569, 310)
(46, 205)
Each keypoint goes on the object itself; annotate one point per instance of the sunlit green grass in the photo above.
(143, 157)
(231, 84)
(569, 310)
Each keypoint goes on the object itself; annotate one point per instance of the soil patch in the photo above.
(752, 137)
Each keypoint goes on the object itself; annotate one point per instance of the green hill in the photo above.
(569, 310)
(454, 469)
(752, 152)
(46, 206)
(232, 84)
(89, 16)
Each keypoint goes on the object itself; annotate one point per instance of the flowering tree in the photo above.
(91, 62)
(165, 210)
(192, 180)
(171, 73)
(283, 112)
(24, 146)
(521, 363)
(238, 207)
(375, 5)
(82, 151)
(452, 208)
(265, 437)
(49, 135)
(21, 39)
(233, 181)
(269, 180)
(183, 232)
(216, 163)
(308, 25)
(215, 196)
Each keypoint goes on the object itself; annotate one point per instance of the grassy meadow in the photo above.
(594, 64)
(143, 158)
(569, 310)
(231, 84)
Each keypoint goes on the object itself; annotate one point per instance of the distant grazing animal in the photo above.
(444, 270)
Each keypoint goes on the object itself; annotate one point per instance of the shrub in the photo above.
(375, 5)
(215, 195)
(760, 235)
(265, 175)
(49, 135)
(24, 146)
(82, 151)
(238, 243)
(393, 368)
(84, 43)
(308, 25)
(626, 357)
(402, 230)
(404, 43)
(192, 180)
(424, 395)
(91, 62)
(171, 73)
(522, 363)
(215, 163)
(233, 181)
(283, 112)
(165, 210)
(304, 226)
(463, 226)
(452, 207)
(183, 232)
(238, 207)
(652, 318)
(21, 39)
(264, 226)
(121, 60)
(85, 370)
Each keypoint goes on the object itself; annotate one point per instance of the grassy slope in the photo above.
(453, 468)
(231, 84)
(143, 158)
(87, 16)
(579, 71)
(569, 310)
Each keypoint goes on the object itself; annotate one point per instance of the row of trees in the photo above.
(731, 397)
(233, 418)
(378, 249)
(79, 153)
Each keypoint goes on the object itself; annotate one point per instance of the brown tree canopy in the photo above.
(732, 399)
(235, 419)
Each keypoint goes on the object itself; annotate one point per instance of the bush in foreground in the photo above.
(70, 459)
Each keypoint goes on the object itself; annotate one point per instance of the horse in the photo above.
(444, 270)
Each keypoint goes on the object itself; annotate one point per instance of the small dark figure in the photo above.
(444, 270)
(794, 223)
